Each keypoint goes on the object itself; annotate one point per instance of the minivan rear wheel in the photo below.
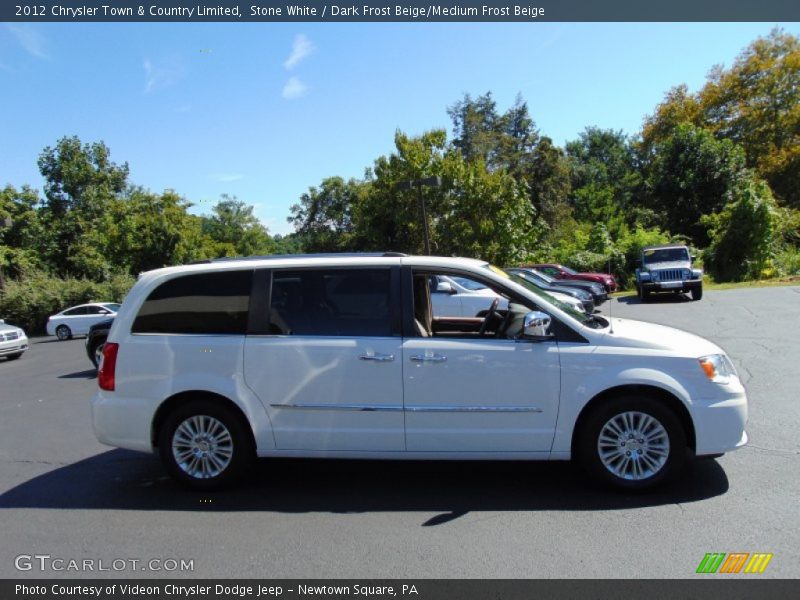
(632, 443)
(205, 445)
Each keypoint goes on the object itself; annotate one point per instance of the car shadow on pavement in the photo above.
(656, 299)
(123, 480)
(87, 374)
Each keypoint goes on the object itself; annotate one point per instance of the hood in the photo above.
(640, 334)
(674, 264)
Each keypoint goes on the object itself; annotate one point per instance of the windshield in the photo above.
(520, 278)
(569, 271)
(658, 255)
(538, 275)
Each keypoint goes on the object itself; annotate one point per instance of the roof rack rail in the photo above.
(316, 255)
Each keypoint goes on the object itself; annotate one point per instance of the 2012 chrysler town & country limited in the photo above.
(211, 365)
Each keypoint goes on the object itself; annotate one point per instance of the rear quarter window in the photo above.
(202, 303)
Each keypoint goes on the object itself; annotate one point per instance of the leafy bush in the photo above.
(28, 302)
(743, 235)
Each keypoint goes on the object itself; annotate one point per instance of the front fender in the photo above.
(578, 389)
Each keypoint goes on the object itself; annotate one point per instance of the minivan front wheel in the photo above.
(205, 445)
(632, 443)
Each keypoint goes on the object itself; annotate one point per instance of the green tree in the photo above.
(743, 234)
(144, 231)
(755, 104)
(548, 179)
(20, 231)
(324, 216)
(500, 141)
(693, 174)
(80, 183)
(605, 178)
(234, 226)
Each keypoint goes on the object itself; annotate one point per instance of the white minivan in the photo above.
(211, 365)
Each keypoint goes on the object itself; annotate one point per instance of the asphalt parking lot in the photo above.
(63, 494)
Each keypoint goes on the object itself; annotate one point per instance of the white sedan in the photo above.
(13, 341)
(78, 319)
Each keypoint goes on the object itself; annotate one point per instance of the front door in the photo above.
(469, 390)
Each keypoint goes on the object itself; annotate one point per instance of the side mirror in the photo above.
(693, 257)
(536, 325)
(445, 287)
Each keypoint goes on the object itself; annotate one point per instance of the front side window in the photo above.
(204, 303)
(478, 312)
(334, 302)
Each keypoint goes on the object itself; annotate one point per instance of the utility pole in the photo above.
(418, 183)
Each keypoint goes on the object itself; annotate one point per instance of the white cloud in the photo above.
(31, 40)
(294, 88)
(301, 48)
(227, 177)
(158, 76)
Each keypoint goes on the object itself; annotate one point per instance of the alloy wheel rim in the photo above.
(202, 447)
(633, 446)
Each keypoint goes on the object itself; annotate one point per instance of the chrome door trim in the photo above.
(499, 409)
(355, 407)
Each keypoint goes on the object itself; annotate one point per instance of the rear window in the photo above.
(205, 303)
(336, 302)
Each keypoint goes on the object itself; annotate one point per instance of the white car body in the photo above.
(13, 341)
(396, 396)
(78, 319)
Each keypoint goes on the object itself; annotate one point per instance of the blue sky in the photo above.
(262, 111)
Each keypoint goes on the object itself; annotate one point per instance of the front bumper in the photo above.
(720, 424)
(14, 346)
(670, 286)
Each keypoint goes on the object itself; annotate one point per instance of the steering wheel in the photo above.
(489, 315)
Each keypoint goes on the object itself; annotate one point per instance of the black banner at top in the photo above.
(398, 10)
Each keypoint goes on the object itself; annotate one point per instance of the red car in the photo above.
(562, 272)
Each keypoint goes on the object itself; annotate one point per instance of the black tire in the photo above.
(697, 293)
(63, 333)
(241, 447)
(96, 351)
(645, 295)
(14, 356)
(589, 444)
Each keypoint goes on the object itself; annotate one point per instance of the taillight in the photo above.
(108, 366)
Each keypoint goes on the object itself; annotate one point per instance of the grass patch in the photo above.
(710, 284)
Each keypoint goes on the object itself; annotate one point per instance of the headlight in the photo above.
(644, 274)
(717, 367)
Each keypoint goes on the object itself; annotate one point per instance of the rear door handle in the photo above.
(377, 357)
(434, 358)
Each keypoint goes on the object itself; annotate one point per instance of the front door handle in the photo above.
(434, 358)
(377, 357)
